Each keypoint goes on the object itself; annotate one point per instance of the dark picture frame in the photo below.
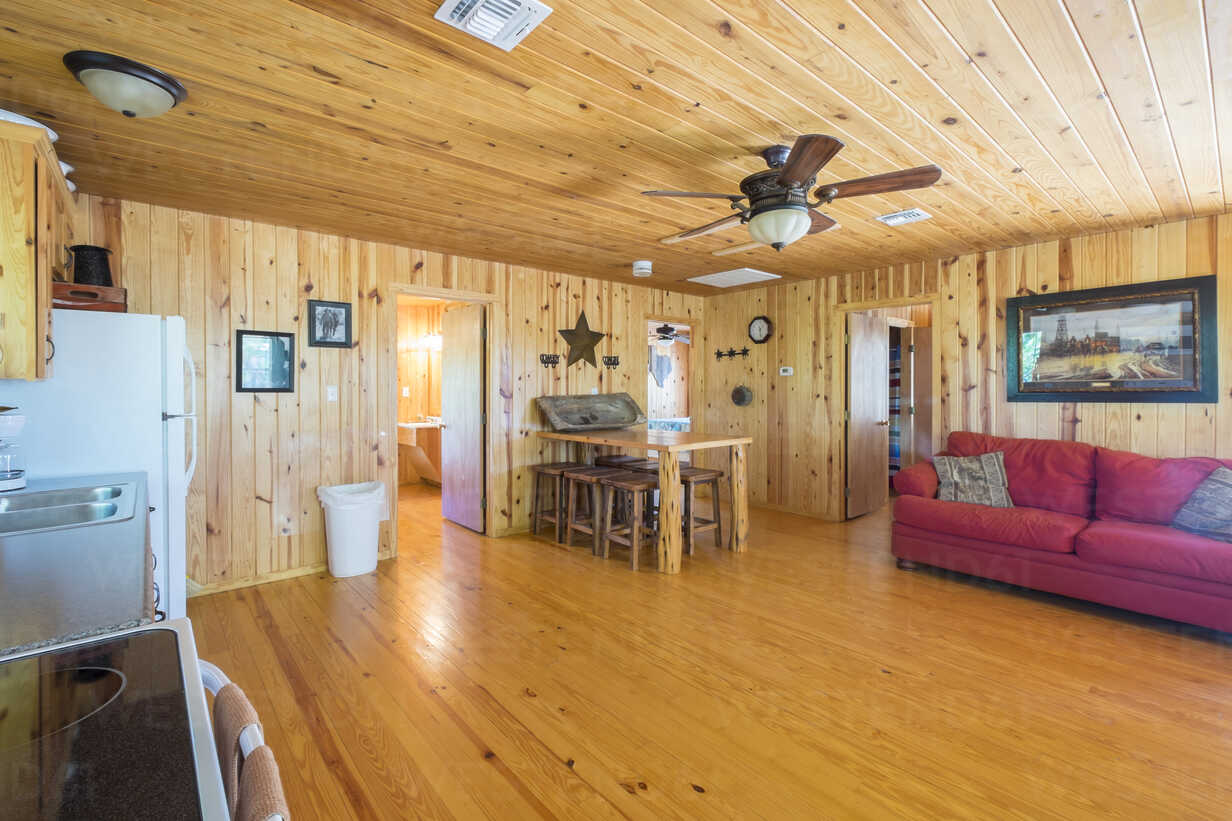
(1146, 342)
(264, 362)
(329, 324)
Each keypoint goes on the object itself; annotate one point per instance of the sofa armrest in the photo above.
(918, 480)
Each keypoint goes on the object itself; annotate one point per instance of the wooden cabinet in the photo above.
(36, 225)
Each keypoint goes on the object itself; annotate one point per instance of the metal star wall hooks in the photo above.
(731, 353)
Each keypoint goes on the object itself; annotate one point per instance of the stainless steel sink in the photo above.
(57, 498)
(22, 513)
(47, 518)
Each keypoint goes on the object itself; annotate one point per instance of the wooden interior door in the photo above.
(868, 403)
(462, 417)
(922, 446)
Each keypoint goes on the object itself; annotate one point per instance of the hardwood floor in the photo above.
(806, 678)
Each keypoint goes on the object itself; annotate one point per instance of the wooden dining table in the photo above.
(669, 444)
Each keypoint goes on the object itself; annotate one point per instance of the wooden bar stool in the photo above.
(550, 473)
(583, 482)
(694, 524)
(616, 460)
(635, 489)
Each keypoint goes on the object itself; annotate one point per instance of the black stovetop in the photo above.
(98, 731)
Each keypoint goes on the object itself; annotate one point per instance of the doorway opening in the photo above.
(441, 436)
(667, 388)
(890, 389)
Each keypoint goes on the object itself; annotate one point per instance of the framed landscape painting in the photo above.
(1148, 342)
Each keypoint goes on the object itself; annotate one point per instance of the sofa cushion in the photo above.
(1043, 473)
(1156, 547)
(1208, 512)
(1143, 489)
(1023, 526)
(979, 480)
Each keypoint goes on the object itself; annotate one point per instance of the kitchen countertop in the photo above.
(419, 425)
(61, 585)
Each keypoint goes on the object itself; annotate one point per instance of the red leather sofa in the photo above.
(1088, 522)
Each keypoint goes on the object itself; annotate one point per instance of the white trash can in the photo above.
(353, 516)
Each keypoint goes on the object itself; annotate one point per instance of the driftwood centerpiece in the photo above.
(591, 411)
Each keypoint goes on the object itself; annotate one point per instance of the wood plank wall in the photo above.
(419, 365)
(671, 401)
(799, 418)
(252, 509)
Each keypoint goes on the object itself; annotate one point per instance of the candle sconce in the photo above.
(731, 353)
(611, 362)
(549, 360)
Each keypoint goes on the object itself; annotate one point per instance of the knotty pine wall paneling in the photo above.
(253, 513)
(796, 463)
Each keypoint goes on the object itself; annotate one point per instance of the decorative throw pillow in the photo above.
(1209, 509)
(979, 480)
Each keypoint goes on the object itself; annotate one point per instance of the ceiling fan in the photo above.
(779, 211)
(666, 334)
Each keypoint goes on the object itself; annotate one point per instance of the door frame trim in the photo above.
(933, 300)
(452, 295)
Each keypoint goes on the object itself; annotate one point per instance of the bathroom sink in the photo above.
(37, 511)
(58, 498)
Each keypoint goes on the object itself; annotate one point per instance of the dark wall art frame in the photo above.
(1143, 356)
(326, 337)
(271, 384)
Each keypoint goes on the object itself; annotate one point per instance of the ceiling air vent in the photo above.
(904, 217)
(734, 277)
(503, 23)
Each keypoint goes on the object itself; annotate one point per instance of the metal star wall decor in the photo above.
(582, 341)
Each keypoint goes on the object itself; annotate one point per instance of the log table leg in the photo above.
(739, 499)
(670, 496)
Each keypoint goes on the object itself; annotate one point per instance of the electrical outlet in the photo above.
(331, 393)
(786, 370)
(594, 390)
(406, 391)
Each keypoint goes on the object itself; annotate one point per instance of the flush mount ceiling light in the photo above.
(131, 88)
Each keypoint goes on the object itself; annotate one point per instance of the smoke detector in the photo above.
(904, 217)
(503, 23)
(641, 268)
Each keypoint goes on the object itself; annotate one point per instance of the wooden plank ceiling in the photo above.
(373, 120)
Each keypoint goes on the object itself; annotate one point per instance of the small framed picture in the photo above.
(329, 324)
(264, 362)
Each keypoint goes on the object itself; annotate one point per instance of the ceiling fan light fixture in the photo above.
(126, 86)
(781, 226)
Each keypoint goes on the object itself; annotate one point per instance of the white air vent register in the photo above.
(904, 217)
(503, 23)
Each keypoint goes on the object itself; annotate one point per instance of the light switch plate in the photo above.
(786, 370)
(331, 393)
(406, 391)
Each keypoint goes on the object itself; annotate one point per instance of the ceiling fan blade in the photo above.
(694, 195)
(736, 249)
(810, 153)
(904, 180)
(709, 228)
(820, 222)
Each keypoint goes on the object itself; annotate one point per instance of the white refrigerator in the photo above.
(121, 398)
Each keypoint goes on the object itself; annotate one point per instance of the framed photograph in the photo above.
(1149, 342)
(264, 361)
(329, 324)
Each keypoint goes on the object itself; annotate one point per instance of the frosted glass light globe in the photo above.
(780, 227)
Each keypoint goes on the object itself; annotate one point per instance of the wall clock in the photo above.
(760, 329)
